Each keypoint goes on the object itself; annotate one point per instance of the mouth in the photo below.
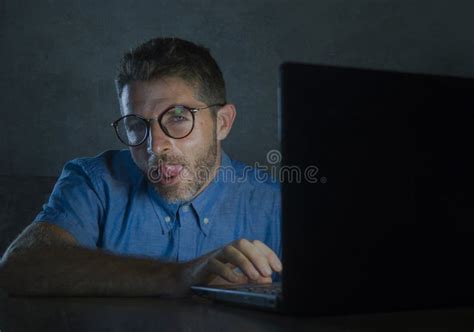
(169, 174)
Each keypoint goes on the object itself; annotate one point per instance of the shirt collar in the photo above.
(165, 211)
(205, 201)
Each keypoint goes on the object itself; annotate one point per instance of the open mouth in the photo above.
(170, 174)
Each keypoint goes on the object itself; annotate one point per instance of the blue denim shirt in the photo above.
(107, 202)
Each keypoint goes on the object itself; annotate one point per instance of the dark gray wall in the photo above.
(58, 60)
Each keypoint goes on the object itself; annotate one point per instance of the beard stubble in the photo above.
(199, 173)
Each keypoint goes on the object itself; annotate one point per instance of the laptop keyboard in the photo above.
(271, 289)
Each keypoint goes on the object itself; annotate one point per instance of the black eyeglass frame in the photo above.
(148, 122)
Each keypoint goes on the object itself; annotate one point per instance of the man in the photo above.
(164, 214)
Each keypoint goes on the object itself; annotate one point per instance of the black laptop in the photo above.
(384, 220)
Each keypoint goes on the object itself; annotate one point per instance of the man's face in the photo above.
(178, 168)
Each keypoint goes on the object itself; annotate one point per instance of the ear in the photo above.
(225, 118)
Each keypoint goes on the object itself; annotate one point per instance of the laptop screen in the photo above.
(386, 212)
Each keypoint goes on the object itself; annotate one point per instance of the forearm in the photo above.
(73, 270)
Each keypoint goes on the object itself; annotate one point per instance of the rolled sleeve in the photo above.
(74, 204)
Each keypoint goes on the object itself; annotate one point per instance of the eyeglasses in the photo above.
(176, 122)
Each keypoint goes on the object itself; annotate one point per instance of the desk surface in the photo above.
(194, 314)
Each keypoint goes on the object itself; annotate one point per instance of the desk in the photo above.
(157, 314)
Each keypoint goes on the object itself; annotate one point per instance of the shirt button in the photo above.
(167, 219)
(206, 221)
(185, 208)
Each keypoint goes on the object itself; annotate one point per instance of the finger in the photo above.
(262, 280)
(256, 256)
(224, 271)
(219, 281)
(236, 257)
(272, 258)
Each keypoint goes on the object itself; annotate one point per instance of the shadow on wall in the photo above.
(21, 199)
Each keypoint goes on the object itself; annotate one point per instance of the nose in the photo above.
(158, 142)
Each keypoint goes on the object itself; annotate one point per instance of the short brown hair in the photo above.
(174, 57)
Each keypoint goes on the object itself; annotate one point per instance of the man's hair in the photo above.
(174, 57)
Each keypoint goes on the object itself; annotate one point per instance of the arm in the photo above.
(46, 260)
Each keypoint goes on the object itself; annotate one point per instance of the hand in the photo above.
(254, 259)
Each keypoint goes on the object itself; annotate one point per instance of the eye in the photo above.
(134, 127)
(176, 116)
(134, 124)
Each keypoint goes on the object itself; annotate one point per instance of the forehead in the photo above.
(150, 96)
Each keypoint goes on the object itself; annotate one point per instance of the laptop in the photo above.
(384, 221)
